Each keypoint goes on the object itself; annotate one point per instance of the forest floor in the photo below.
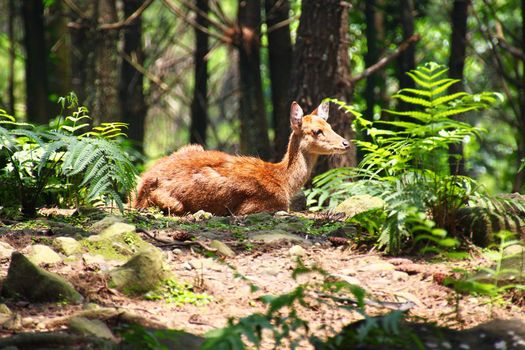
(408, 281)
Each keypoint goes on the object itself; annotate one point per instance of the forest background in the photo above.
(224, 72)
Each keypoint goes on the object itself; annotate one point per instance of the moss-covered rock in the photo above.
(87, 327)
(42, 254)
(142, 273)
(28, 281)
(67, 245)
(5, 250)
(272, 236)
(222, 248)
(359, 204)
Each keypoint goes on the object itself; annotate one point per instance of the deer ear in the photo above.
(323, 110)
(296, 116)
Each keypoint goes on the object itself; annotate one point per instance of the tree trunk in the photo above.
(83, 41)
(106, 107)
(280, 65)
(59, 65)
(458, 43)
(11, 60)
(406, 60)
(199, 104)
(37, 102)
(519, 179)
(131, 93)
(254, 129)
(321, 65)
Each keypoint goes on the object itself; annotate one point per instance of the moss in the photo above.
(105, 248)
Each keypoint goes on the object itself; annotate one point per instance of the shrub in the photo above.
(70, 160)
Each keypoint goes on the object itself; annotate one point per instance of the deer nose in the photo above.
(346, 144)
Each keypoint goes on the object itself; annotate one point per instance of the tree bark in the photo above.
(106, 107)
(407, 59)
(519, 179)
(458, 43)
(321, 65)
(11, 13)
(37, 102)
(199, 104)
(59, 65)
(280, 66)
(131, 86)
(254, 129)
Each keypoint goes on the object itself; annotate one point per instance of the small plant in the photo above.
(406, 162)
(70, 158)
(178, 293)
(494, 281)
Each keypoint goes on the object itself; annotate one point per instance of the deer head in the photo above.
(316, 135)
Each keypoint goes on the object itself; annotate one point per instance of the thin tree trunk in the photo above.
(106, 107)
(519, 179)
(35, 63)
(321, 66)
(407, 59)
(280, 65)
(254, 129)
(199, 105)
(458, 43)
(11, 61)
(131, 87)
(59, 65)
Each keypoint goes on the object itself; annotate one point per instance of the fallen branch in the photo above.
(170, 243)
(132, 18)
(391, 305)
(386, 59)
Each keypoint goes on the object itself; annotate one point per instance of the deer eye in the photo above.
(318, 132)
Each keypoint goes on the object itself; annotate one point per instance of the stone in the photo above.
(41, 254)
(4, 310)
(106, 222)
(272, 236)
(121, 248)
(87, 327)
(377, 267)
(205, 264)
(297, 251)
(222, 248)
(5, 251)
(345, 278)
(67, 245)
(113, 232)
(359, 204)
(258, 218)
(399, 276)
(140, 274)
(90, 259)
(202, 215)
(34, 284)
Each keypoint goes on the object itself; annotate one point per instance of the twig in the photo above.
(171, 243)
(391, 305)
(386, 59)
(130, 19)
(513, 50)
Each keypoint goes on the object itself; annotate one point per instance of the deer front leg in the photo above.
(162, 199)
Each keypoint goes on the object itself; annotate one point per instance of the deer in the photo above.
(193, 179)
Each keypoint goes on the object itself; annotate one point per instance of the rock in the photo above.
(281, 214)
(87, 327)
(5, 251)
(41, 254)
(359, 204)
(345, 278)
(272, 236)
(202, 215)
(177, 251)
(399, 276)
(298, 202)
(377, 267)
(222, 248)
(26, 280)
(93, 259)
(4, 310)
(115, 231)
(297, 251)
(142, 273)
(106, 222)
(121, 248)
(13, 323)
(258, 218)
(65, 229)
(293, 226)
(205, 264)
(168, 339)
(67, 245)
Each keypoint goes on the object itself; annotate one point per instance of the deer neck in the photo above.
(297, 165)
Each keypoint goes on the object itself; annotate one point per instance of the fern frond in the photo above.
(413, 100)
(447, 98)
(443, 85)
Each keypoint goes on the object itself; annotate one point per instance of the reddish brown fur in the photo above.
(192, 179)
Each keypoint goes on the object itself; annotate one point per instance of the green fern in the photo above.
(406, 163)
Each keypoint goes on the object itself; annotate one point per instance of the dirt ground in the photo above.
(417, 284)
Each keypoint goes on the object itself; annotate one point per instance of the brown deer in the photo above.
(192, 179)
